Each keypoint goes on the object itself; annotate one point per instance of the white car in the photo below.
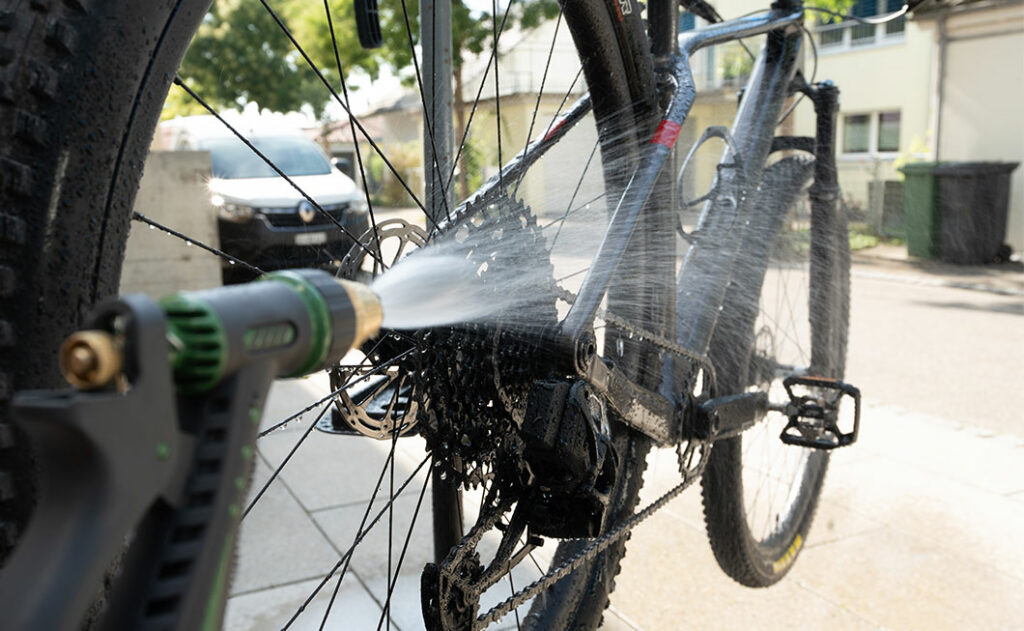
(263, 218)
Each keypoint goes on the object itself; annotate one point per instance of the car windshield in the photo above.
(294, 156)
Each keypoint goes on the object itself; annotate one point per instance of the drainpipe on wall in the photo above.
(940, 87)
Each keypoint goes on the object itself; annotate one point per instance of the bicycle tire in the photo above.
(758, 557)
(78, 114)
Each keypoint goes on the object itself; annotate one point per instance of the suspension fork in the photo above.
(824, 197)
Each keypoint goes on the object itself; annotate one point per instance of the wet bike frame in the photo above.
(711, 261)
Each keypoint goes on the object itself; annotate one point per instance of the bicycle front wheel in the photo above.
(786, 313)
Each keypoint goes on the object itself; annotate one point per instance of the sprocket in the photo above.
(475, 377)
(464, 387)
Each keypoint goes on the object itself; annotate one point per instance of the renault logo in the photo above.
(306, 211)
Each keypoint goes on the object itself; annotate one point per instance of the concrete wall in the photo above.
(172, 192)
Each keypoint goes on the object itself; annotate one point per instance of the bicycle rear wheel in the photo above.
(786, 313)
(77, 129)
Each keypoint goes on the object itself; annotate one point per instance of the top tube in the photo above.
(739, 28)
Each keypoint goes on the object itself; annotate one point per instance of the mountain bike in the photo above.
(725, 341)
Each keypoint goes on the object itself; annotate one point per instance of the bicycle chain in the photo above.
(688, 469)
(581, 558)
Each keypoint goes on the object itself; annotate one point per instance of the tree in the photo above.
(241, 55)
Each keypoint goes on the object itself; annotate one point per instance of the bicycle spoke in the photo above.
(137, 216)
(428, 121)
(405, 548)
(512, 592)
(540, 94)
(362, 523)
(391, 528)
(376, 370)
(579, 183)
(497, 86)
(273, 476)
(337, 98)
(347, 555)
(476, 101)
(352, 125)
(568, 214)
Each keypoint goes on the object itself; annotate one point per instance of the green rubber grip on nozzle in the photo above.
(302, 320)
(199, 344)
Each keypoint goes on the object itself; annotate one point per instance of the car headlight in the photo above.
(359, 205)
(228, 211)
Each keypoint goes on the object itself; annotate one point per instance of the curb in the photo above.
(932, 281)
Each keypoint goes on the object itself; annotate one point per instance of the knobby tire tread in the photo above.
(735, 550)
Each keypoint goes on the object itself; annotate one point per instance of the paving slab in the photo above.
(353, 608)
(278, 543)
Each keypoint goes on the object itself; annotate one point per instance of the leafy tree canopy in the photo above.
(241, 55)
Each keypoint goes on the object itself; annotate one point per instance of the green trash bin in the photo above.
(956, 211)
(920, 213)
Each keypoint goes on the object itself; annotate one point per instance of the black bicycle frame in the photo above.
(710, 262)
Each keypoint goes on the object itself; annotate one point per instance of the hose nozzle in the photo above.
(367, 310)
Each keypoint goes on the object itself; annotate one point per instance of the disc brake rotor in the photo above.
(375, 396)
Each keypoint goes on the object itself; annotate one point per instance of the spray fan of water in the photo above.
(425, 291)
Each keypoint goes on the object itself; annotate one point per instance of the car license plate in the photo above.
(310, 238)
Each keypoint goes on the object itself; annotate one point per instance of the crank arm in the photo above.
(724, 417)
(647, 412)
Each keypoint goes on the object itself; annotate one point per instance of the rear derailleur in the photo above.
(571, 466)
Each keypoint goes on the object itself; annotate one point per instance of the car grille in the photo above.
(289, 217)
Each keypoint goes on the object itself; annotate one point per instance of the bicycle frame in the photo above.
(709, 264)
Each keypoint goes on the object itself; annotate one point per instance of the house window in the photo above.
(871, 133)
(857, 133)
(837, 34)
(687, 21)
(889, 131)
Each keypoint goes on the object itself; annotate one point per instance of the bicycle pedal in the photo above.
(814, 417)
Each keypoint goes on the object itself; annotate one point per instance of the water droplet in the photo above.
(152, 227)
(188, 243)
(231, 262)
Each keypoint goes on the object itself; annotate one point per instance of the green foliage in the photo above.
(407, 159)
(862, 241)
(473, 161)
(736, 63)
(240, 54)
(864, 236)
(839, 6)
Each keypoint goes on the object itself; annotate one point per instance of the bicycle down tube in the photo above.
(754, 124)
(708, 266)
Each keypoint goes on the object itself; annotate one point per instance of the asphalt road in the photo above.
(954, 353)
